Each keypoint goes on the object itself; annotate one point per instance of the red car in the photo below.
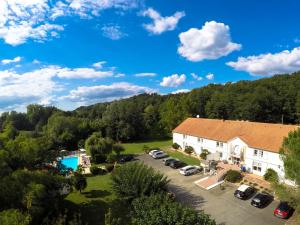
(283, 210)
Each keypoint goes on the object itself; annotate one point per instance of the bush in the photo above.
(111, 158)
(95, 170)
(175, 146)
(134, 180)
(233, 176)
(117, 148)
(109, 167)
(189, 149)
(271, 175)
(146, 149)
(204, 154)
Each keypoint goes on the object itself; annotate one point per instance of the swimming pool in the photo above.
(70, 162)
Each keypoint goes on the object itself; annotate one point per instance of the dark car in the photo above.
(169, 161)
(244, 192)
(176, 164)
(283, 210)
(126, 158)
(260, 200)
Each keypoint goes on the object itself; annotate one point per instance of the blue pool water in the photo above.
(70, 162)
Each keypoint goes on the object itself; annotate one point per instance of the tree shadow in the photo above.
(96, 193)
(186, 197)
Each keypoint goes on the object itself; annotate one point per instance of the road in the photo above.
(220, 204)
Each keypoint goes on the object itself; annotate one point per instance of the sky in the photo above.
(70, 53)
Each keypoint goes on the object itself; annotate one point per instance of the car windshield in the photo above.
(283, 206)
(256, 200)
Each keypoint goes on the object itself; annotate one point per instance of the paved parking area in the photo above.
(220, 204)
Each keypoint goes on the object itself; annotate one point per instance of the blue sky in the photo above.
(70, 53)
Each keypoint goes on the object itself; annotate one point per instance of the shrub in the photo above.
(271, 175)
(79, 182)
(175, 146)
(134, 180)
(117, 148)
(189, 149)
(146, 149)
(233, 176)
(109, 167)
(204, 154)
(95, 170)
(111, 158)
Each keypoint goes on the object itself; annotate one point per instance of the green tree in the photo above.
(160, 209)
(133, 180)
(79, 182)
(14, 217)
(99, 147)
(117, 148)
(110, 219)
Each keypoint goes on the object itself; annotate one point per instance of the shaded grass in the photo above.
(184, 158)
(95, 201)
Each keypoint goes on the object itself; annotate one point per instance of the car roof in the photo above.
(261, 195)
(243, 187)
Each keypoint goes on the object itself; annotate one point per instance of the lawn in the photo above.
(137, 148)
(184, 158)
(95, 201)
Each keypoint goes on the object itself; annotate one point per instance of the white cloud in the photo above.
(112, 32)
(174, 80)
(99, 65)
(196, 77)
(212, 41)
(101, 93)
(145, 74)
(81, 73)
(269, 64)
(210, 76)
(14, 60)
(181, 91)
(23, 20)
(161, 24)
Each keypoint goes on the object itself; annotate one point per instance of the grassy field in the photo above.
(95, 201)
(137, 148)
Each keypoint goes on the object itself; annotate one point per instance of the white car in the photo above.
(188, 170)
(159, 155)
(153, 151)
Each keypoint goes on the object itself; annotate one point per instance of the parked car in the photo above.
(168, 161)
(126, 158)
(189, 170)
(177, 164)
(244, 192)
(283, 210)
(260, 200)
(154, 151)
(159, 155)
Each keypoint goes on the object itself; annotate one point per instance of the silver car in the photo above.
(189, 170)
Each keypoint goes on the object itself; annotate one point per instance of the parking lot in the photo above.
(220, 204)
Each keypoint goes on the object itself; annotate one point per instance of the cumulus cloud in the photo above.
(81, 73)
(8, 61)
(181, 91)
(196, 77)
(174, 80)
(269, 64)
(112, 32)
(161, 24)
(23, 20)
(102, 93)
(145, 74)
(212, 41)
(99, 65)
(210, 76)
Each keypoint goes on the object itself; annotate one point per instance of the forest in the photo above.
(34, 138)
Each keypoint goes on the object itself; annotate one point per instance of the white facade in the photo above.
(235, 151)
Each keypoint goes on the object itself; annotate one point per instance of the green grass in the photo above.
(184, 158)
(137, 148)
(95, 201)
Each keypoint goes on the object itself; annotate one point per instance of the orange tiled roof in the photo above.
(266, 136)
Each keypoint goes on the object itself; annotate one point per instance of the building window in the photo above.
(200, 140)
(217, 144)
(255, 152)
(221, 144)
(261, 153)
(257, 166)
(184, 136)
